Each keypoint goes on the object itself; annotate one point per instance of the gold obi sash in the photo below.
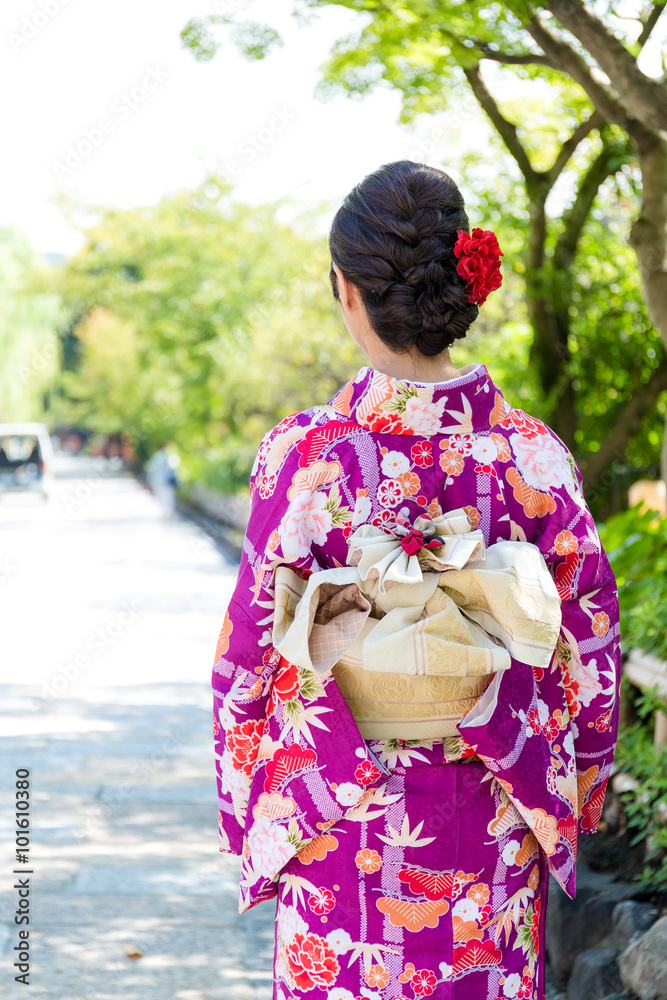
(413, 635)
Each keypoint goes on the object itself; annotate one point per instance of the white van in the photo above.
(26, 458)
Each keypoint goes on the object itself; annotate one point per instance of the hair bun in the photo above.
(393, 237)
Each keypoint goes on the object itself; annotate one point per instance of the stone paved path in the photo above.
(125, 853)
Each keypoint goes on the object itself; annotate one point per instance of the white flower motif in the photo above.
(541, 460)
(394, 463)
(339, 941)
(339, 993)
(422, 416)
(484, 450)
(568, 744)
(362, 511)
(445, 970)
(268, 846)
(305, 521)
(348, 794)
(512, 984)
(466, 909)
(235, 782)
(510, 852)
(290, 922)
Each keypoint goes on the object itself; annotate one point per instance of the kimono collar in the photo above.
(389, 405)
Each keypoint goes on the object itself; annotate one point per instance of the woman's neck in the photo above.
(414, 366)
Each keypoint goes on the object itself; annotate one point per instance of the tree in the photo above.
(432, 52)
(29, 316)
(200, 320)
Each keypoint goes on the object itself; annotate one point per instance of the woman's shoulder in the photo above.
(298, 442)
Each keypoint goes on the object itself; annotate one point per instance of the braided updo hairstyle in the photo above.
(393, 238)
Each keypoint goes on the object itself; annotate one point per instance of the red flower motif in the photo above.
(267, 486)
(385, 520)
(534, 721)
(423, 983)
(387, 423)
(322, 902)
(367, 772)
(216, 727)
(528, 427)
(602, 722)
(243, 743)
(390, 493)
(312, 962)
(486, 470)
(535, 926)
(421, 454)
(551, 729)
(479, 263)
(271, 657)
(286, 683)
(526, 988)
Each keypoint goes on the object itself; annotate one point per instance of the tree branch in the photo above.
(510, 58)
(569, 61)
(505, 128)
(606, 162)
(645, 98)
(649, 25)
(627, 423)
(582, 130)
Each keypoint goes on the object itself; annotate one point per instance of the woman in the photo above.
(416, 680)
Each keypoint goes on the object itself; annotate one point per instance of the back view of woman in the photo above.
(416, 681)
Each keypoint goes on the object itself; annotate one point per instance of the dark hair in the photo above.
(393, 237)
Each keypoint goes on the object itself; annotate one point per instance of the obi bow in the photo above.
(453, 608)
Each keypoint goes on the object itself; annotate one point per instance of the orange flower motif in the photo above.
(503, 448)
(377, 976)
(451, 462)
(479, 893)
(434, 509)
(473, 515)
(601, 623)
(565, 543)
(407, 974)
(273, 542)
(410, 483)
(223, 638)
(368, 860)
(534, 878)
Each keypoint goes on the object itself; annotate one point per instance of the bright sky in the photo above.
(77, 68)
(73, 82)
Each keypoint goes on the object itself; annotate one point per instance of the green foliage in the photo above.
(636, 755)
(29, 315)
(203, 321)
(636, 545)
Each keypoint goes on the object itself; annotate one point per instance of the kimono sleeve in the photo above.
(588, 655)
(245, 662)
(290, 759)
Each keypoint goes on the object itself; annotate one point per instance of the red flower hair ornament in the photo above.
(479, 262)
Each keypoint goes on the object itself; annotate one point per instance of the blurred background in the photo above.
(171, 170)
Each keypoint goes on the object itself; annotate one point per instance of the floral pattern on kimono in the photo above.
(291, 763)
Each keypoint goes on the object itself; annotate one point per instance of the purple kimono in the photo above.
(413, 868)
